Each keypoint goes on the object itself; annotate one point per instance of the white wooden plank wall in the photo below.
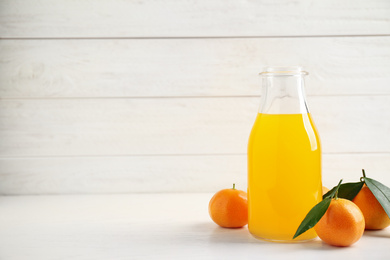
(112, 96)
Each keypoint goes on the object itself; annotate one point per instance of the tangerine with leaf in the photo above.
(337, 221)
(374, 213)
(342, 224)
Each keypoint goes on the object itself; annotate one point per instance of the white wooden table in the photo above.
(146, 226)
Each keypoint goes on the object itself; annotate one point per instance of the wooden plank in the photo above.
(131, 174)
(116, 18)
(191, 67)
(120, 174)
(72, 127)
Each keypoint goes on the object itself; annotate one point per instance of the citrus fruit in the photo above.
(342, 224)
(324, 190)
(374, 214)
(229, 208)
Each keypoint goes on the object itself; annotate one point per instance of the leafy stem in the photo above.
(364, 176)
(337, 190)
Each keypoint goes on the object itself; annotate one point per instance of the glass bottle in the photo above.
(284, 159)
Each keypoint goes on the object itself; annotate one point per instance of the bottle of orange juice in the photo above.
(284, 159)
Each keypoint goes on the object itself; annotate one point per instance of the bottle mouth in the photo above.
(283, 71)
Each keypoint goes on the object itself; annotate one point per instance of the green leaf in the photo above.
(314, 215)
(381, 193)
(346, 191)
(330, 193)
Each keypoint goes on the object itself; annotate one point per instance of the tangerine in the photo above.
(229, 208)
(342, 224)
(374, 215)
(324, 190)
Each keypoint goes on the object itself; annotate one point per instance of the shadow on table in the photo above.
(218, 234)
(377, 233)
(242, 236)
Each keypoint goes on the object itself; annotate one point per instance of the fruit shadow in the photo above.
(377, 233)
(242, 235)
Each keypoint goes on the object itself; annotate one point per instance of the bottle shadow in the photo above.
(217, 235)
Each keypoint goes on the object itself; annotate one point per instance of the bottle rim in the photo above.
(283, 71)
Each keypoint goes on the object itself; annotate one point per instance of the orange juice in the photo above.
(284, 175)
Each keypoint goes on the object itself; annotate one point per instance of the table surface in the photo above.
(146, 226)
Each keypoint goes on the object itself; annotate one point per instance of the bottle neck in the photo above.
(283, 94)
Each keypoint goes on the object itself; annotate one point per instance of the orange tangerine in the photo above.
(374, 214)
(229, 208)
(342, 224)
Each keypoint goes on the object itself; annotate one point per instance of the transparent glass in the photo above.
(284, 159)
